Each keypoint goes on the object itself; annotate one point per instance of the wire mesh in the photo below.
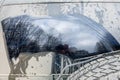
(103, 67)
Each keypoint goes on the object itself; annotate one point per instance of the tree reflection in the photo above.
(22, 35)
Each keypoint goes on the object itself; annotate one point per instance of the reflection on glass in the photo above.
(75, 36)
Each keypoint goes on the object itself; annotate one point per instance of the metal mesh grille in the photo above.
(100, 69)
